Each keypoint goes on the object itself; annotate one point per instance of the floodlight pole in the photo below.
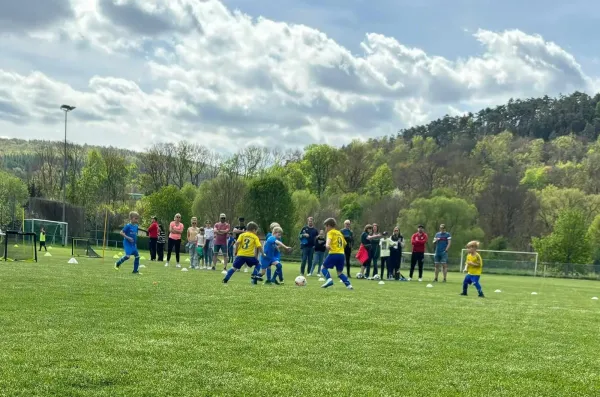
(66, 109)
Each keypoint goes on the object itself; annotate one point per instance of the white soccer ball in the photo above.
(300, 281)
(359, 275)
(376, 277)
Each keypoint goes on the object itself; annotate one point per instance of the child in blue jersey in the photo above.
(272, 255)
(230, 244)
(272, 226)
(245, 249)
(129, 233)
(335, 245)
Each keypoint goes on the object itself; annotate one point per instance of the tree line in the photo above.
(521, 176)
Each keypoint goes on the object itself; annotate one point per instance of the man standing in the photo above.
(348, 236)
(221, 229)
(153, 236)
(418, 241)
(307, 236)
(442, 242)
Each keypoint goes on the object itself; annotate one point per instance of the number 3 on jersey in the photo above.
(246, 243)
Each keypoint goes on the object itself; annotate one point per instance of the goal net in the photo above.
(56, 232)
(20, 247)
(505, 262)
(83, 247)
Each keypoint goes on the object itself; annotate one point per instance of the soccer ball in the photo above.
(376, 277)
(300, 281)
(359, 275)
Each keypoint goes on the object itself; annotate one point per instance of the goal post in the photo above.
(20, 247)
(505, 262)
(83, 247)
(56, 232)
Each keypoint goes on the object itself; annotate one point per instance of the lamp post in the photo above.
(66, 109)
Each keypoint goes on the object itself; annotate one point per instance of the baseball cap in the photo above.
(222, 216)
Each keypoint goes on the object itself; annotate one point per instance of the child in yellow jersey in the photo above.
(473, 267)
(335, 245)
(246, 248)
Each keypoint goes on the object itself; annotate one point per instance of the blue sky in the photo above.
(142, 72)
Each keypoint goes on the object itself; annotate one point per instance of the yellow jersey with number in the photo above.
(247, 244)
(475, 270)
(337, 241)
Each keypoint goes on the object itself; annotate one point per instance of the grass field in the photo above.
(87, 330)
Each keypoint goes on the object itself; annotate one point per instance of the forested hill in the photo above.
(519, 175)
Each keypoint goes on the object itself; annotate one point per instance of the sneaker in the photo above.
(409, 279)
(463, 294)
(309, 275)
(420, 280)
(482, 295)
(435, 280)
(178, 265)
(212, 268)
(224, 281)
(274, 281)
(281, 282)
(138, 273)
(268, 282)
(349, 287)
(257, 277)
(116, 266)
(328, 283)
(167, 264)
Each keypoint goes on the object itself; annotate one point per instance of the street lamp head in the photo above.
(67, 108)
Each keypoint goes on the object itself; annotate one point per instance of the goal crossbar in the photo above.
(463, 255)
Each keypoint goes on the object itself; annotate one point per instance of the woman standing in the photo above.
(160, 243)
(365, 240)
(347, 232)
(192, 243)
(375, 248)
(209, 235)
(397, 243)
(175, 232)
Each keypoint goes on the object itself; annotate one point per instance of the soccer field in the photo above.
(87, 330)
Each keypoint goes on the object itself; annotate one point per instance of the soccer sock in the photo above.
(326, 274)
(256, 271)
(278, 271)
(344, 278)
(122, 260)
(269, 273)
(229, 273)
(136, 264)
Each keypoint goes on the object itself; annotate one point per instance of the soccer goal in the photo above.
(505, 262)
(20, 247)
(83, 247)
(56, 232)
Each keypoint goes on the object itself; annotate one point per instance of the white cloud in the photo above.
(196, 70)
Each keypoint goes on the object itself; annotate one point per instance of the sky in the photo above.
(279, 73)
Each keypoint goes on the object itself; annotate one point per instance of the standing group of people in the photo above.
(204, 244)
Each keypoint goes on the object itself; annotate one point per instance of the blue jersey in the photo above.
(442, 240)
(131, 231)
(270, 250)
(230, 242)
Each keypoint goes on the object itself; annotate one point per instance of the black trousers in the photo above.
(173, 245)
(152, 244)
(160, 251)
(395, 260)
(43, 244)
(417, 258)
(347, 253)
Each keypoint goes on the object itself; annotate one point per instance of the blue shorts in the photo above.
(130, 250)
(220, 247)
(265, 261)
(471, 279)
(335, 260)
(240, 261)
(441, 257)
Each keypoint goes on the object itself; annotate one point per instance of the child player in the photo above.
(272, 226)
(272, 255)
(245, 250)
(335, 245)
(473, 268)
(129, 233)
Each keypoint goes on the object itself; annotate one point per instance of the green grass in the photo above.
(87, 330)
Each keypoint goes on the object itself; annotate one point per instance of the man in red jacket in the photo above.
(418, 241)
(153, 235)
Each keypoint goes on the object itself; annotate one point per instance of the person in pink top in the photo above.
(221, 231)
(175, 231)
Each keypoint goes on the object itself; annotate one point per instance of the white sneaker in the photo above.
(420, 280)
(167, 264)
(178, 265)
(349, 287)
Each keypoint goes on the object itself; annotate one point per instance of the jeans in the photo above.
(307, 257)
(375, 252)
(208, 253)
(317, 262)
(193, 254)
(152, 244)
(386, 263)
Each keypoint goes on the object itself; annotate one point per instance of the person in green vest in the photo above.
(43, 239)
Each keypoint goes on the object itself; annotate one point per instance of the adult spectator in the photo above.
(365, 240)
(160, 243)
(221, 230)
(209, 235)
(307, 236)
(153, 236)
(349, 237)
(442, 242)
(375, 248)
(396, 251)
(418, 241)
(320, 245)
(175, 231)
